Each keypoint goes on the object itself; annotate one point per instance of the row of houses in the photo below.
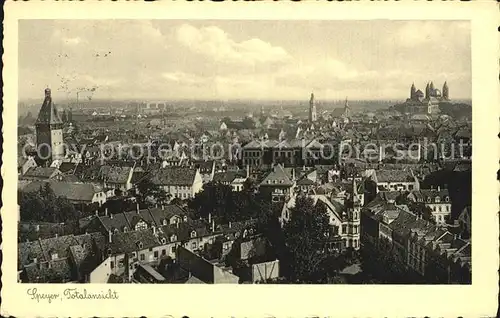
(433, 250)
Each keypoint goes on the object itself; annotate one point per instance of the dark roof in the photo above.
(71, 191)
(173, 176)
(43, 251)
(153, 216)
(384, 175)
(48, 113)
(41, 172)
(114, 174)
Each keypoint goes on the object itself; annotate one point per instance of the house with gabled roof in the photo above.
(279, 183)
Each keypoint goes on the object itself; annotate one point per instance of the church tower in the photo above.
(312, 109)
(49, 135)
(413, 91)
(427, 91)
(347, 109)
(446, 92)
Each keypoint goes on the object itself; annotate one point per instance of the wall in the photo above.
(267, 270)
(101, 274)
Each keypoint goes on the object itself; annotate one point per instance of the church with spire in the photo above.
(49, 131)
(428, 102)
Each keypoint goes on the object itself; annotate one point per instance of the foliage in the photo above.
(43, 205)
(382, 263)
(221, 202)
(150, 193)
(305, 236)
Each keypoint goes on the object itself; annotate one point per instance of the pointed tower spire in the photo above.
(48, 114)
(347, 108)
(446, 91)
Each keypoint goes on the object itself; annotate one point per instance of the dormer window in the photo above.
(437, 199)
(237, 234)
(193, 234)
(245, 233)
(125, 229)
(139, 245)
(185, 219)
(173, 238)
(447, 199)
(163, 241)
(54, 256)
(429, 200)
(165, 221)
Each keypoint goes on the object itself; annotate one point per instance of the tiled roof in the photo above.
(152, 216)
(384, 175)
(41, 172)
(277, 177)
(42, 250)
(69, 190)
(48, 112)
(113, 174)
(174, 176)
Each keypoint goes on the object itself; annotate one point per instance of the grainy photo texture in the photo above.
(244, 152)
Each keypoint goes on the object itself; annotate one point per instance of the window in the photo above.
(163, 252)
(150, 249)
(155, 254)
(112, 264)
(344, 229)
(172, 249)
(143, 257)
(226, 246)
(193, 245)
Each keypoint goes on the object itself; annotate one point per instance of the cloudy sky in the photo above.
(189, 59)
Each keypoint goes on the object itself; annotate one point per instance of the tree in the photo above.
(150, 193)
(44, 206)
(305, 235)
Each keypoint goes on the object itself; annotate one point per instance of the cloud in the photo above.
(183, 78)
(421, 33)
(216, 44)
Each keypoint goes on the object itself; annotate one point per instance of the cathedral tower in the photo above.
(312, 109)
(427, 91)
(446, 92)
(413, 91)
(49, 136)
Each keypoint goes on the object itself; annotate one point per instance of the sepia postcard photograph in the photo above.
(331, 156)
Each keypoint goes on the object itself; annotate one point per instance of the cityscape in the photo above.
(279, 167)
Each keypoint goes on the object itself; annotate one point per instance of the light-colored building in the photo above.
(179, 182)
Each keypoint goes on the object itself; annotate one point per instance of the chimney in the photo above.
(106, 211)
(248, 171)
(380, 156)
(111, 215)
(293, 174)
(177, 223)
(110, 236)
(57, 235)
(439, 188)
(209, 217)
(229, 224)
(213, 226)
(154, 229)
(156, 205)
(137, 208)
(162, 207)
